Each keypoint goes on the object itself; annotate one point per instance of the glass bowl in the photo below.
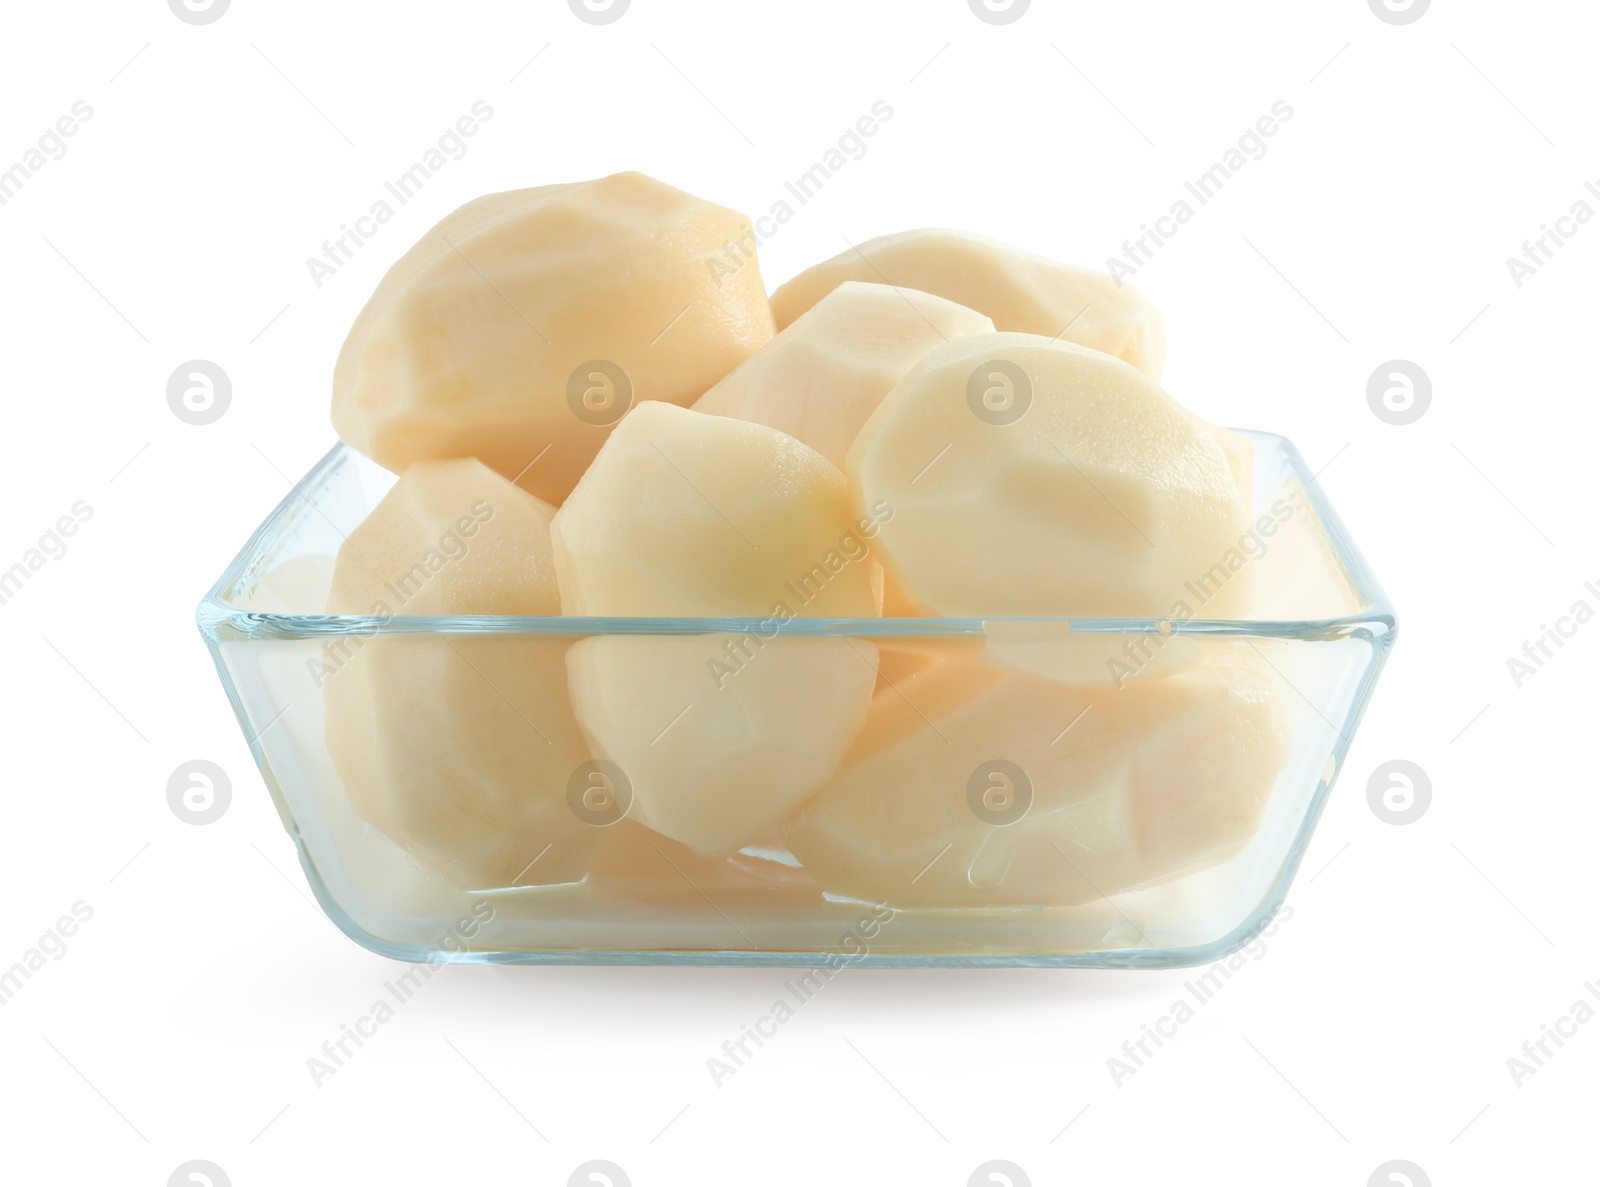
(1192, 762)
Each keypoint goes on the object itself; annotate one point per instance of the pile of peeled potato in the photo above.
(592, 412)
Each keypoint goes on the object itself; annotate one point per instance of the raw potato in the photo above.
(964, 791)
(461, 748)
(717, 763)
(903, 657)
(719, 736)
(1018, 290)
(450, 537)
(895, 603)
(688, 514)
(821, 377)
(1241, 454)
(1033, 477)
(526, 323)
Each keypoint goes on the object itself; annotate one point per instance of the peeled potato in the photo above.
(821, 377)
(895, 603)
(524, 325)
(450, 537)
(1018, 290)
(1241, 456)
(687, 514)
(970, 787)
(721, 735)
(461, 749)
(684, 513)
(1027, 476)
(901, 657)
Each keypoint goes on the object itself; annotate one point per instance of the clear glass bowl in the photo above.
(1146, 879)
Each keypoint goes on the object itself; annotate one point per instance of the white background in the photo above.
(1418, 958)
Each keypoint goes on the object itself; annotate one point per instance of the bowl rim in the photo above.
(221, 621)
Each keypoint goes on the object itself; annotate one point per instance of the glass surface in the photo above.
(1173, 847)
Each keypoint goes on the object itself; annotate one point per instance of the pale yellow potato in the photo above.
(522, 327)
(688, 514)
(1025, 476)
(693, 515)
(823, 375)
(1018, 290)
(900, 658)
(461, 749)
(895, 603)
(450, 537)
(1241, 456)
(970, 787)
(1051, 650)
(719, 736)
